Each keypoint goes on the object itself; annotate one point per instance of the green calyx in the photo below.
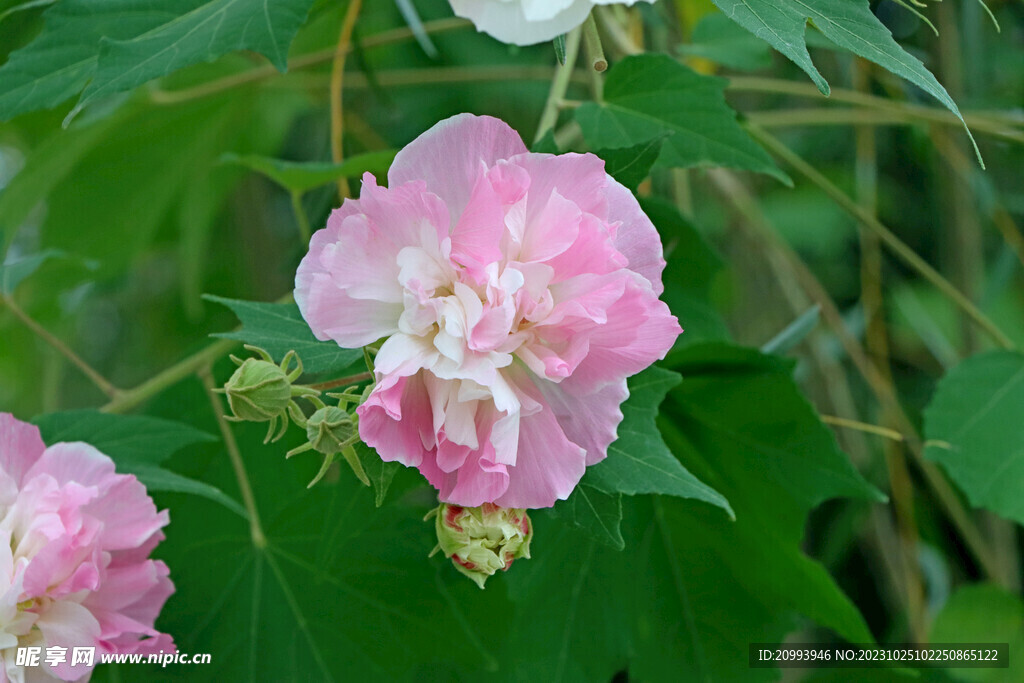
(483, 540)
(263, 391)
(332, 430)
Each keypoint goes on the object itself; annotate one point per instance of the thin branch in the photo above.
(991, 121)
(129, 399)
(894, 243)
(342, 382)
(259, 539)
(864, 427)
(302, 62)
(101, 382)
(844, 116)
(337, 80)
(737, 193)
(559, 84)
(1001, 218)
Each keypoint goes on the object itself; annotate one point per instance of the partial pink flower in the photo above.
(75, 537)
(525, 22)
(515, 292)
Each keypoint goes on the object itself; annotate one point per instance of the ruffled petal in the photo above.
(636, 237)
(589, 421)
(548, 465)
(20, 446)
(452, 155)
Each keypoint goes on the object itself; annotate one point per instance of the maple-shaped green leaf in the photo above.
(597, 513)
(850, 24)
(975, 432)
(109, 46)
(639, 461)
(138, 445)
(279, 328)
(653, 96)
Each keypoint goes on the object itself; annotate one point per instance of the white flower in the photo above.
(526, 22)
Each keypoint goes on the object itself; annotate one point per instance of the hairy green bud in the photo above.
(330, 430)
(259, 391)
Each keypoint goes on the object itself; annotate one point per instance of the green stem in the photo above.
(844, 116)
(99, 380)
(259, 539)
(991, 122)
(342, 382)
(560, 84)
(592, 44)
(132, 398)
(894, 243)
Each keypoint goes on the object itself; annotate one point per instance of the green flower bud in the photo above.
(259, 391)
(482, 540)
(330, 429)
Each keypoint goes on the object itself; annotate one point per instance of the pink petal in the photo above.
(20, 446)
(590, 421)
(396, 420)
(579, 178)
(640, 330)
(636, 237)
(551, 229)
(68, 624)
(449, 156)
(130, 515)
(592, 253)
(548, 465)
(476, 238)
(480, 480)
(333, 314)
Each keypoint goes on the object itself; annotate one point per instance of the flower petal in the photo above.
(449, 157)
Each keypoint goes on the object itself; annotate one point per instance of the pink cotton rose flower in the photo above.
(74, 567)
(526, 22)
(516, 291)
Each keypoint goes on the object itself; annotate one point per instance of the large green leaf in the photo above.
(597, 513)
(137, 445)
(380, 473)
(342, 590)
(116, 45)
(976, 433)
(849, 24)
(279, 328)
(694, 588)
(774, 463)
(128, 439)
(983, 613)
(630, 165)
(649, 96)
(639, 461)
